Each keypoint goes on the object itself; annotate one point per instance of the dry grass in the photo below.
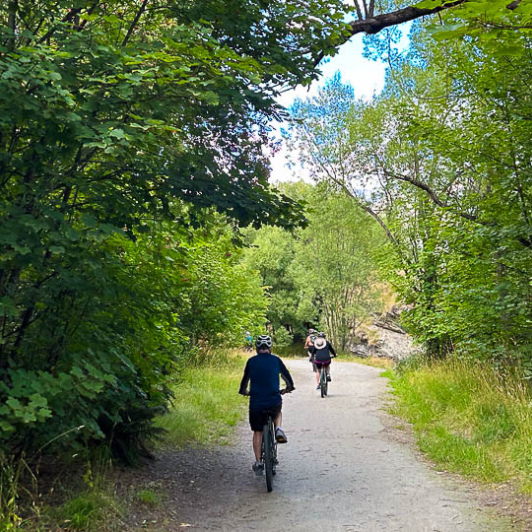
(374, 361)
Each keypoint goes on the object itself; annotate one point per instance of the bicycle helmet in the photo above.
(263, 341)
(312, 331)
(321, 335)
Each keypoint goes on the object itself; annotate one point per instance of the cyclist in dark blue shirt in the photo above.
(322, 352)
(262, 373)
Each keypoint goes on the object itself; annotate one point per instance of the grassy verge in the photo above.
(376, 362)
(469, 419)
(89, 504)
(94, 509)
(206, 404)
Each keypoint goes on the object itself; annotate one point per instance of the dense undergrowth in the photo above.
(204, 411)
(468, 418)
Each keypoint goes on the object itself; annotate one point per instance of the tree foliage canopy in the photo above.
(122, 126)
(441, 159)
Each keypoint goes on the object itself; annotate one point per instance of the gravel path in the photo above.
(344, 469)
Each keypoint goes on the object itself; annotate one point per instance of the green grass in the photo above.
(469, 419)
(290, 351)
(92, 510)
(149, 497)
(206, 406)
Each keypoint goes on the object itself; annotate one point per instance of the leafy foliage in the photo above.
(441, 160)
(322, 274)
(125, 127)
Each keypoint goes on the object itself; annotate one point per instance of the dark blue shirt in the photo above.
(324, 354)
(262, 372)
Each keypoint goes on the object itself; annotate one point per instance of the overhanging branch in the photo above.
(386, 20)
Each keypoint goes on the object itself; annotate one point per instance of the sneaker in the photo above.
(318, 387)
(258, 468)
(328, 378)
(280, 436)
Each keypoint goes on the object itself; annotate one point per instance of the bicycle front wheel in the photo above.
(268, 457)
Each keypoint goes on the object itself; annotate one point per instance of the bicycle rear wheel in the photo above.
(268, 456)
(323, 382)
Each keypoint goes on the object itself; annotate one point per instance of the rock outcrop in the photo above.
(384, 338)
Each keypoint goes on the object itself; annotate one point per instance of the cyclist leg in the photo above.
(317, 365)
(280, 436)
(278, 420)
(257, 421)
(257, 442)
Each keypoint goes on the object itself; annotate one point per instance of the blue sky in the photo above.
(366, 77)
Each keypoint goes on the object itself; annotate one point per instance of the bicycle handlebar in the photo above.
(283, 391)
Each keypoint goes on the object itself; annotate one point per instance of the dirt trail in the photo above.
(342, 470)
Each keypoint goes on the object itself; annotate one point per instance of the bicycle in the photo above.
(269, 448)
(324, 381)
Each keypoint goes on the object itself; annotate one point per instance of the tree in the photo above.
(336, 264)
(113, 116)
(442, 156)
(322, 275)
(482, 16)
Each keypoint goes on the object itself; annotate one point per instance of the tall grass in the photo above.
(374, 361)
(206, 404)
(469, 418)
(9, 486)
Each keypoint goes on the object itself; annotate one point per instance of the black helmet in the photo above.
(263, 341)
(321, 335)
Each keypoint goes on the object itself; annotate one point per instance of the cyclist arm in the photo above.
(331, 349)
(285, 375)
(245, 380)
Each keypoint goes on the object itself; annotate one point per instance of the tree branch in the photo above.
(371, 9)
(525, 241)
(69, 17)
(359, 11)
(12, 22)
(135, 22)
(378, 23)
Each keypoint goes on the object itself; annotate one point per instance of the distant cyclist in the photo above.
(309, 342)
(249, 341)
(262, 373)
(322, 351)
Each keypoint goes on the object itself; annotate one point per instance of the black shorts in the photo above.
(257, 419)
